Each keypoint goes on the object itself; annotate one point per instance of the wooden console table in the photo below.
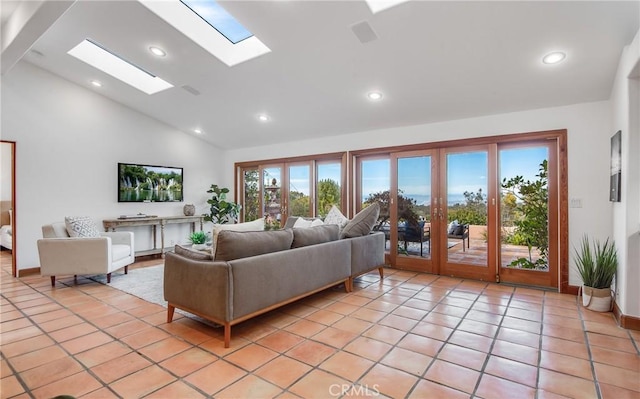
(154, 222)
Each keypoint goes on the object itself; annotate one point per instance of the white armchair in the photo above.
(64, 255)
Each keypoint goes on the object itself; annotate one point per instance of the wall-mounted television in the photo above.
(149, 183)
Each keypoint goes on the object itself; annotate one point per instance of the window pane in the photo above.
(299, 187)
(251, 196)
(271, 183)
(328, 187)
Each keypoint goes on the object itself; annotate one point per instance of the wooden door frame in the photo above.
(560, 135)
(486, 272)
(14, 206)
(411, 263)
(536, 277)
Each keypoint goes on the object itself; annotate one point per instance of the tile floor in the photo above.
(411, 335)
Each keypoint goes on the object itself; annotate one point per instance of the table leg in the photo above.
(162, 239)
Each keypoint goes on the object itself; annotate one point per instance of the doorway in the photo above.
(480, 210)
(8, 201)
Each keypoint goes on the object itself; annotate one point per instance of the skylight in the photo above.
(108, 62)
(380, 5)
(196, 27)
(219, 19)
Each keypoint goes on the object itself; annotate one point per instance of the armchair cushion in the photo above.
(81, 226)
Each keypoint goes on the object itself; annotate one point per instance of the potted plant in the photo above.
(198, 239)
(597, 264)
(221, 210)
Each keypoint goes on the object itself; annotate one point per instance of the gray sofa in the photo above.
(230, 291)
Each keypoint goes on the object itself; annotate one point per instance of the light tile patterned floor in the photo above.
(411, 335)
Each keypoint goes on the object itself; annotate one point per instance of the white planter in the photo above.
(596, 299)
(199, 247)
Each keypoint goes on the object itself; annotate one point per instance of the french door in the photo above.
(467, 212)
(412, 217)
(485, 212)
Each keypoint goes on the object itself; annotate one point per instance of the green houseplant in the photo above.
(597, 264)
(221, 210)
(198, 239)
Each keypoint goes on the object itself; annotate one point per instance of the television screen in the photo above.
(149, 183)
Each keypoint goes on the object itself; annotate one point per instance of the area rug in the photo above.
(145, 283)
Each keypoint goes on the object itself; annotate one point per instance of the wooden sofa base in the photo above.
(227, 324)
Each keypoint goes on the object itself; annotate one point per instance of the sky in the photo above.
(466, 171)
(219, 18)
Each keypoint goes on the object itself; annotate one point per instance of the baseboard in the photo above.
(624, 321)
(28, 272)
(572, 289)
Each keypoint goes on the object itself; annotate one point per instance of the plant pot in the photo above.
(596, 299)
(199, 247)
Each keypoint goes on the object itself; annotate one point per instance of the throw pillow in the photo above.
(81, 226)
(256, 225)
(192, 254)
(243, 244)
(302, 223)
(336, 217)
(452, 227)
(459, 230)
(362, 223)
(314, 235)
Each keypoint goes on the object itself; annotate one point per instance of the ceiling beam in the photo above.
(29, 21)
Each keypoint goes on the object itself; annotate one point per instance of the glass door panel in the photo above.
(411, 245)
(375, 186)
(250, 194)
(328, 190)
(299, 193)
(272, 194)
(524, 215)
(466, 234)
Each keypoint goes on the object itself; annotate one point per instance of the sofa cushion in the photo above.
(256, 225)
(362, 223)
(243, 244)
(336, 217)
(314, 235)
(81, 226)
(193, 254)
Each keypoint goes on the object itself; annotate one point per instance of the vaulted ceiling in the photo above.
(432, 61)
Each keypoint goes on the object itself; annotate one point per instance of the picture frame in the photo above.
(616, 167)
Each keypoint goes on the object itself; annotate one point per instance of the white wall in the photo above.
(69, 142)
(625, 102)
(5, 171)
(588, 127)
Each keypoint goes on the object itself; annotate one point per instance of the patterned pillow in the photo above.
(81, 226)
(336, 217)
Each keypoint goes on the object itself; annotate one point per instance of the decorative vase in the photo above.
(189, 210)
(596, 299)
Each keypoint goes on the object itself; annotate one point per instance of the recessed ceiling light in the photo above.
(374, 96)
(96, 83)
(157, 51)
(105, 60)
(263, 117)
(553, 58)
(197, 131)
